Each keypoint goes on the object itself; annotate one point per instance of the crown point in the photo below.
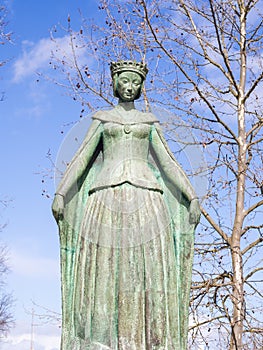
(121, 66)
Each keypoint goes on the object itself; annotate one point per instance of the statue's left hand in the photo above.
(195, 212)
(58, 207)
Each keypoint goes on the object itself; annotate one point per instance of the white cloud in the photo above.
(44, 337)
(36, 56)
(33, 58)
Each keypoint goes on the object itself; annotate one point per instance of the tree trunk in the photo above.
(237, 263)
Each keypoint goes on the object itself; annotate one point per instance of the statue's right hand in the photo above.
(58, 207)
(195, 212)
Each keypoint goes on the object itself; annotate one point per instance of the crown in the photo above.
(133, 66)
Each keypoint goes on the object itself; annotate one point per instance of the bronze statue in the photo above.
(126, 213)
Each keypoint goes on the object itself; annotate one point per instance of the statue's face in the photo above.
(129, 85)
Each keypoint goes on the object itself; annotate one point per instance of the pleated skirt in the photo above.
(127, 270)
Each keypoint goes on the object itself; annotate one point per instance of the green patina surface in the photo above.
(126, 214)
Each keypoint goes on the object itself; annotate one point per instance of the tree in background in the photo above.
(205, 61)
(5, 36)
(6, 300)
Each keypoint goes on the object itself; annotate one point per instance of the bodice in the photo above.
(126, 156)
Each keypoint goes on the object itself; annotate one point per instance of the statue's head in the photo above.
(128, 72)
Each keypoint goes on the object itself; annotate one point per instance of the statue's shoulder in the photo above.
(146, 117)
(102, 116)
(115, 115)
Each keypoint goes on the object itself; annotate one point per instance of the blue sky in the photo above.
(33, 113)
(32, 116)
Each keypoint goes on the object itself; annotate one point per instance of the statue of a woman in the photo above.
(126, 213)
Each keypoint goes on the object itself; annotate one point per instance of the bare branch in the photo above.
(215, 226)
(253, 207)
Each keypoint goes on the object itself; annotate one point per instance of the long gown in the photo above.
(126, 240)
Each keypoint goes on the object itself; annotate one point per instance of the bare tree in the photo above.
(5, 36)
(6, 299)
(206, 63)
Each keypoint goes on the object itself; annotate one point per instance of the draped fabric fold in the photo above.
(126, 260)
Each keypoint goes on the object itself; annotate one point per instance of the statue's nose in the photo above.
(129, 88)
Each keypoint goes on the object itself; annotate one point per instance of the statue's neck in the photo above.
(128, 106)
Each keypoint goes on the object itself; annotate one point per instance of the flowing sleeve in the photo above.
(74, 186)
(178, 193)
(82, 159)
(172, 172)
